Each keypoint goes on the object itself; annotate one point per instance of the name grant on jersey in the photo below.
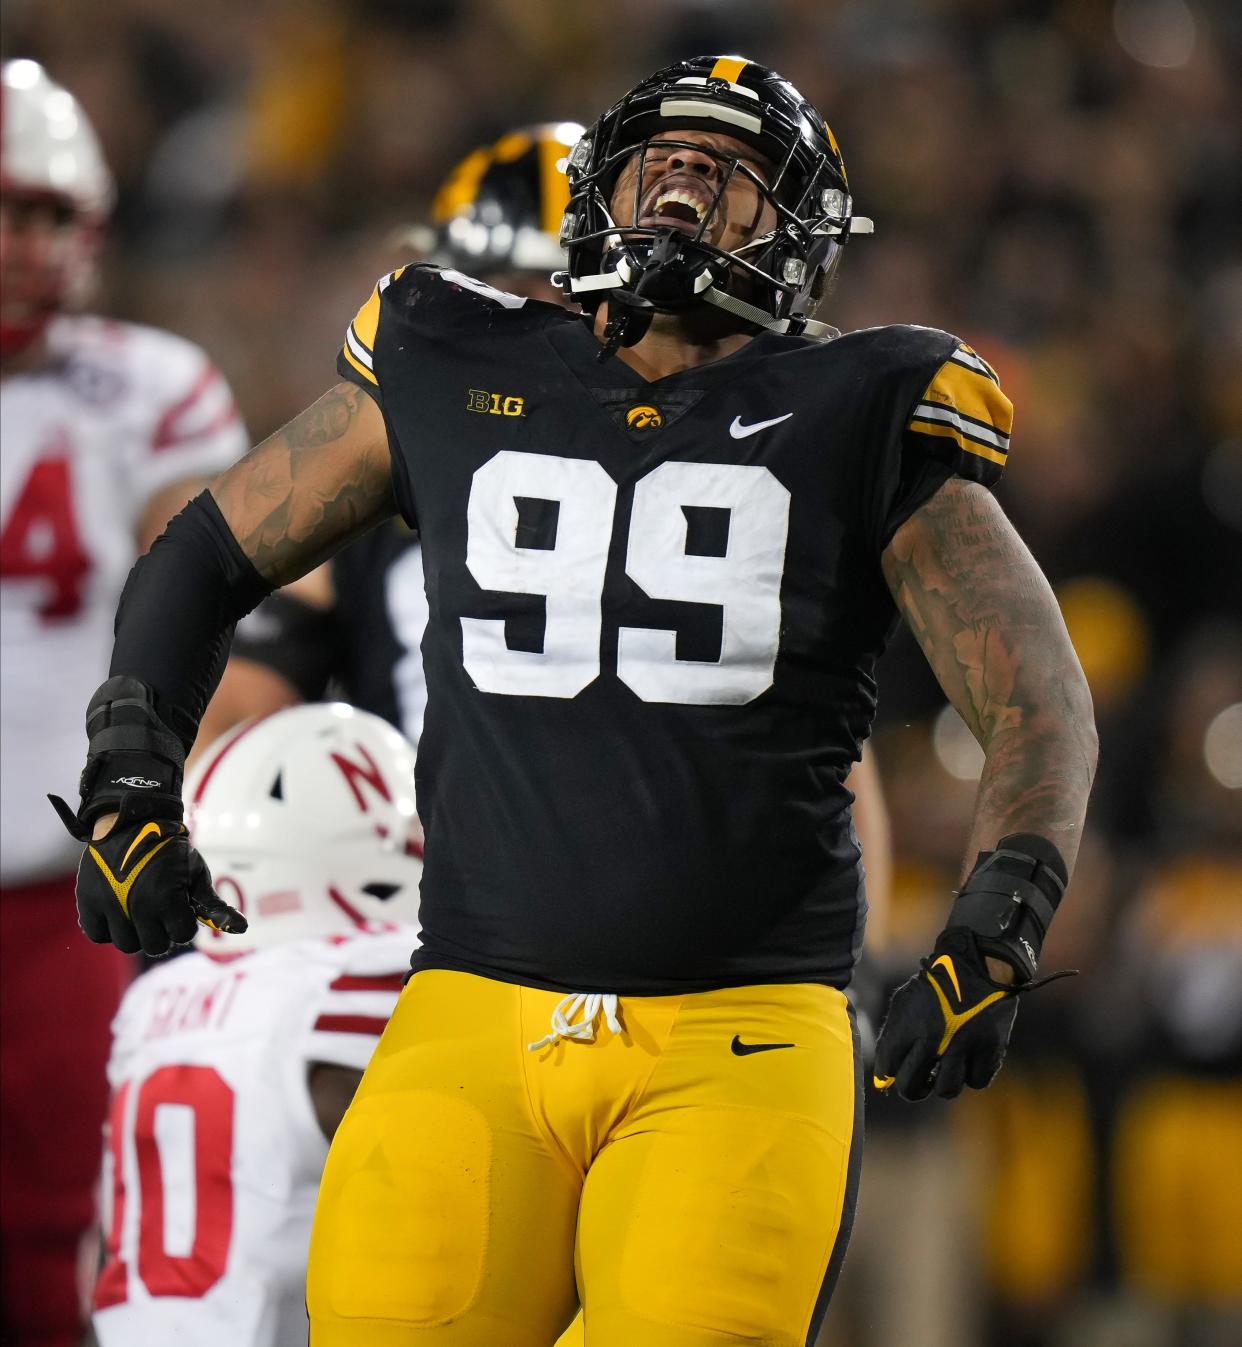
(184, 1010)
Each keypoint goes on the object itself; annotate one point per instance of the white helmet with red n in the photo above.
(49, 155)
(306, 820)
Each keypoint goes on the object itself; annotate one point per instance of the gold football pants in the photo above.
(690, 1181)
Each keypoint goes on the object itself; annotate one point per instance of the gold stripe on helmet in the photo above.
(728, 68)
(462, 187)
(512, 145)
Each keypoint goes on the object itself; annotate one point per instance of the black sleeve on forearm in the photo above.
(178, 609)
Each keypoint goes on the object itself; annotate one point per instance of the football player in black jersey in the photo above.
(355, 625)
(664, 546)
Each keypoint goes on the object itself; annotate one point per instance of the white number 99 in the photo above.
(745, 582)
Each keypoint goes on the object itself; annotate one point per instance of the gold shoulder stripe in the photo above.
(971, 394)
(953, 433)
(728, 68)
(360, 334)
(362, 369)
(967, 355)
(366, 324)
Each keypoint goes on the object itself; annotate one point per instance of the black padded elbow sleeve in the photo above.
(176, 617)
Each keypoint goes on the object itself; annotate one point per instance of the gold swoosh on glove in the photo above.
(146, 832)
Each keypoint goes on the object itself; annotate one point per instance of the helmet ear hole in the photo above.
(381, 891)
(277, 791)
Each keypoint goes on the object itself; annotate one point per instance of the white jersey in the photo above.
(213, 1154)
(117, 413)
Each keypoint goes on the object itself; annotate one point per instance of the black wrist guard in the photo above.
(1009, 899)
(134, 762)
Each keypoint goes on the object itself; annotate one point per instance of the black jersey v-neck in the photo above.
(578, 347)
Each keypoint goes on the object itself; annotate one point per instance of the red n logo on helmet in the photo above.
(358, 773)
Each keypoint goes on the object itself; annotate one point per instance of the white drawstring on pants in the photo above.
(586, 1004)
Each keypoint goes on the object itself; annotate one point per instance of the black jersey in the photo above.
(655, 611)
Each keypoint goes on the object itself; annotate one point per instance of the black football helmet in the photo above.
(773, 281)
(500, 209)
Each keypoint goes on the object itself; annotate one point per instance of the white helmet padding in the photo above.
(307, 821)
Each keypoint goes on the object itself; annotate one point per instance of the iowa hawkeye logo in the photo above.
(644, 417)
(494, 404)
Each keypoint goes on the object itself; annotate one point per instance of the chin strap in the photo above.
(627, 325)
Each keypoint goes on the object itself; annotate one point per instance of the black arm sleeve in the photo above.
(176, 617)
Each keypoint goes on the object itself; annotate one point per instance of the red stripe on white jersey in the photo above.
(170, 430)
(392, 982)
(373, 1025)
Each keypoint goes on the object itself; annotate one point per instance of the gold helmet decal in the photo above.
(728, 68)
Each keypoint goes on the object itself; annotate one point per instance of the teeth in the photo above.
(685, 199)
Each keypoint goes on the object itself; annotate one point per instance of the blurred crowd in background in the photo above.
(1059, 182)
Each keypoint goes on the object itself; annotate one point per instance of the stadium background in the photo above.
(1061, 184)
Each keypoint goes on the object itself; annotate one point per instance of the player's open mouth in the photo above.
(682, 206)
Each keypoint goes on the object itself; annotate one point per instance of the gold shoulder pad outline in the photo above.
(359, 347)
(964, 403)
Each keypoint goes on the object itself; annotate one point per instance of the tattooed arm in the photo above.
(309, 489)
(993, 635)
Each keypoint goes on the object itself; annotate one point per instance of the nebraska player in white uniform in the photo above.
(231, 1066)
(107, 429)
(100, 421)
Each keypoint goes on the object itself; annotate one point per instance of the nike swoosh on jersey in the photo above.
(740, 432)
(740, 1049)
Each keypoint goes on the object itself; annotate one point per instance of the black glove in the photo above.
(145, 887)
(142, 886)
(949, 1025)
